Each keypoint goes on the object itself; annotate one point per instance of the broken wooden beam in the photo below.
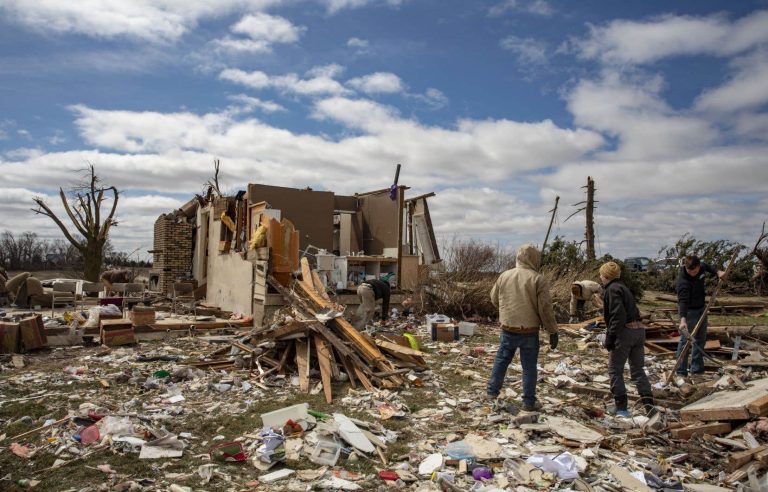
(712, 428)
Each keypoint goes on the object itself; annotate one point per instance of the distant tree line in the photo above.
(28, 251)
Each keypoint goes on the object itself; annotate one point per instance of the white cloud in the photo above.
(273, 29)
(359, 45)
(249, 103)
(634, 111)
(147, 20)
(638, 42)
(377, 83)
(528, 51)
(535, 7)
(261, 31)
(748, 88)
(334, 6)
(320, 83)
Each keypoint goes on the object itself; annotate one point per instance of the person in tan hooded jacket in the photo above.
(525, 305)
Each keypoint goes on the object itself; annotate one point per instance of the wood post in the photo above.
(590, 231)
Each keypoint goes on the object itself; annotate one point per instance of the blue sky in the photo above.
(498, 106)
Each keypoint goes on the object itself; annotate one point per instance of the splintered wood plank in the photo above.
(306, 276)
(726, 405)
(324, 358)
(302, 363)
(713, 429)
(369, 350)
(363, 379)
(759, 407)
(398, 349)
(349, 370)
(737, 460)
(319, 287)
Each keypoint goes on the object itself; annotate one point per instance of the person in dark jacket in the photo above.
(371, 291)
(690, 306)
(624, 339)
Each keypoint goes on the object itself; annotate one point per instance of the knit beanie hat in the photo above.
(610, 270)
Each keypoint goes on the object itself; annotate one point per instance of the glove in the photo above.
(554, 338)
(683, 328)
(610, 343)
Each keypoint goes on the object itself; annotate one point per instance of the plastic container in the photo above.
(433, 319)
(467, 329)
(460, 450)
(326, 452)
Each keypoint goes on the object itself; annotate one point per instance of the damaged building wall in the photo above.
(172, 253)
(229, 277)
(311, 212)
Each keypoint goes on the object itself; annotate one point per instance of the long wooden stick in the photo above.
(692, 335)
(39, 429)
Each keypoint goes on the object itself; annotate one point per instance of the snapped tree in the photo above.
(83, 208)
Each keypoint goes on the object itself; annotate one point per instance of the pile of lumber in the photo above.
(313, 338)
(720, 414)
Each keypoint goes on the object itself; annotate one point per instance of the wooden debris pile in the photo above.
(317, 336)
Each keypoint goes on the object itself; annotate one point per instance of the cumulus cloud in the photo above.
(377, 83)
(261, 31)
(154, 21)
(633, 110)
(639, 42)
(320, 81)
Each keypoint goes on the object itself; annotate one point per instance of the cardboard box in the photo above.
(32, 333)
(141, 316)
(445, 332)
(9, 338)
(117, 332)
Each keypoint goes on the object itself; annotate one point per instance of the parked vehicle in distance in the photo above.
(664, 264)
(637, 263)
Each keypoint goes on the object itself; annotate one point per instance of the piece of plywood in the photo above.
(302, 363)
(726, 405)
(713, 429)
(381, 222)
(573, 431)
(324, 359)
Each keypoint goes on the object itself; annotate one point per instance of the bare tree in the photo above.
(84, 211)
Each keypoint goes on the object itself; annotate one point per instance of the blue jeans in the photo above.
(529, 353)
(697, 359)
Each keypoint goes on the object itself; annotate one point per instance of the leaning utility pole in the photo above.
(551, 220)
(590, 234)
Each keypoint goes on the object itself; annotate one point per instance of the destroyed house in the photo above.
(227, 247)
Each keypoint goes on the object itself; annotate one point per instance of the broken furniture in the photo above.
(91, 291)
(63, 293)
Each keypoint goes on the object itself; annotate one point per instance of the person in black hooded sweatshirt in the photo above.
(691, 304)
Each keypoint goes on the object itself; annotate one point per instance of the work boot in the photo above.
(617, 412)
(648, 405)
(532, 407)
